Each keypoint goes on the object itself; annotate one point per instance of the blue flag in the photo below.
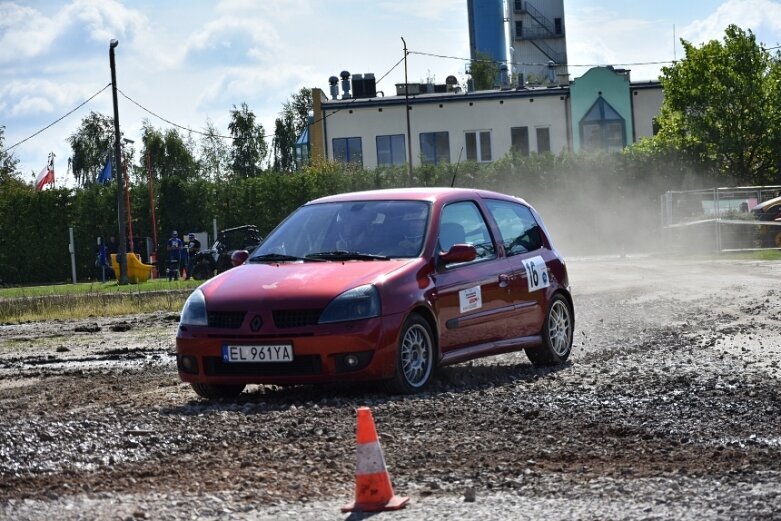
(105, 174)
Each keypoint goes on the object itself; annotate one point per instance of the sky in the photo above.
(192, 61)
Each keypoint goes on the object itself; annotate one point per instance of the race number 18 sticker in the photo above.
(536, 273)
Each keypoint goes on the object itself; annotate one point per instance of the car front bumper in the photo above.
(319, 354)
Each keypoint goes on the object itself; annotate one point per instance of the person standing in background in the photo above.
(174, 248)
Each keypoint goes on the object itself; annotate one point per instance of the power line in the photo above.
(534, 64)
(59, 119)
(263, 136)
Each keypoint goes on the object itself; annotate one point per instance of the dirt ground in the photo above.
(670, 408)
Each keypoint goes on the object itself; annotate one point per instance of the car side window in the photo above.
(519, 229)
(462, 223)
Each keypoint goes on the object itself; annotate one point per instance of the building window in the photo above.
(519, 139)
(434, 147)
(543, 140)
(557, 25)
(518, 29)
(478, 146)
(391, 150)
(348, 150)
(602, 128)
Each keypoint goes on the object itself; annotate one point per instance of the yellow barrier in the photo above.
(137, 271)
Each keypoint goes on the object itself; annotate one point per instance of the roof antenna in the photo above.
(455, 172)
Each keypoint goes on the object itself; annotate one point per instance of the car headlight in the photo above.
(355, 304)
(194, 310)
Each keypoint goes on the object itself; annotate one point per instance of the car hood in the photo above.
(299, 285)
(763, 207)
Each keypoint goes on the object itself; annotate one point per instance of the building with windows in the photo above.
(602, 109)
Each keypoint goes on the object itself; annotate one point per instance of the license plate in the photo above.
(258, 353)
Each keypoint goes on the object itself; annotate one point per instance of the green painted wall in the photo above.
(585, 90)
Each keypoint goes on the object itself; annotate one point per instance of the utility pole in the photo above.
(406, 105)
(122, 247)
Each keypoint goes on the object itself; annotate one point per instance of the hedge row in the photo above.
(591, 203)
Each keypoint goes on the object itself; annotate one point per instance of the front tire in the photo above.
(556, 334)
(414, 357)
(217, 391)
(202, 271)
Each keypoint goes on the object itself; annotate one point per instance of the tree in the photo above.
(214, 154)
(722, 107)
(8, 162)
(484, 71)
(91, 142)
(291, 123)
(169, 155)
(249, 148)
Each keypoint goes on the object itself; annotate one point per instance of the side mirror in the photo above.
(238, 257)
(458, 253)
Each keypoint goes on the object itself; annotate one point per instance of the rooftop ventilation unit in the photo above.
(333, 81)
(345, 75)
(369, 85)
(359, 91)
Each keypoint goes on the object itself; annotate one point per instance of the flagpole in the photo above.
(122, 247)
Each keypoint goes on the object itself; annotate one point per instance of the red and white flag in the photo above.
(47, 175)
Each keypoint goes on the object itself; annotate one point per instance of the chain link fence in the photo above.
(722, 219)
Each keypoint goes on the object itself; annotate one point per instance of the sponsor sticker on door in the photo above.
(470, 298)
(536, 273)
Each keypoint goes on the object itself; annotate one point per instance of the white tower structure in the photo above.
(538, 36)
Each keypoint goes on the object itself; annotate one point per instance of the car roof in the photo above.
(431, 194)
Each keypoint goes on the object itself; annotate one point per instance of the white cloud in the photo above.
(237, 85)
(277, 9)
(746, 14)
(219, 35)
(104, 19)
(24, 32)
(40, 97)
(597, 36)
(426, 9)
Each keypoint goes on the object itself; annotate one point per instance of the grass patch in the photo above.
(80, 301)
(92, 288)
(762, 255)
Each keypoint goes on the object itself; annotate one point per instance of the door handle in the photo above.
(504, 280)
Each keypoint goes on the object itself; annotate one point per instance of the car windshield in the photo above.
(354, 230)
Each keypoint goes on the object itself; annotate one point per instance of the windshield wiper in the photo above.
(346, 255)
(281, 257)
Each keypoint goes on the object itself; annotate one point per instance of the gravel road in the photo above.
(670, 408)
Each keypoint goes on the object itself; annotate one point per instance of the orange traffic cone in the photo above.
(373, 490)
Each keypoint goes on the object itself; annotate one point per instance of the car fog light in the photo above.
(351, 361)
(188, 364)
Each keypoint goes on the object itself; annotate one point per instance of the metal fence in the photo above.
(719, 219)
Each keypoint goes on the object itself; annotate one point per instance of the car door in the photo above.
(522, 242)
(471, 297)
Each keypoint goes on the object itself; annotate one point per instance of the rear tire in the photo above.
(556, 334)
(414, 357)
(217, 391)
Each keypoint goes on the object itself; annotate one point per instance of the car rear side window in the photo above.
(462, 223)
(519, 229)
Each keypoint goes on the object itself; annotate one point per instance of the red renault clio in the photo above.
(381, 285)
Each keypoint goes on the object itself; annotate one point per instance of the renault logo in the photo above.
(256, 323)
